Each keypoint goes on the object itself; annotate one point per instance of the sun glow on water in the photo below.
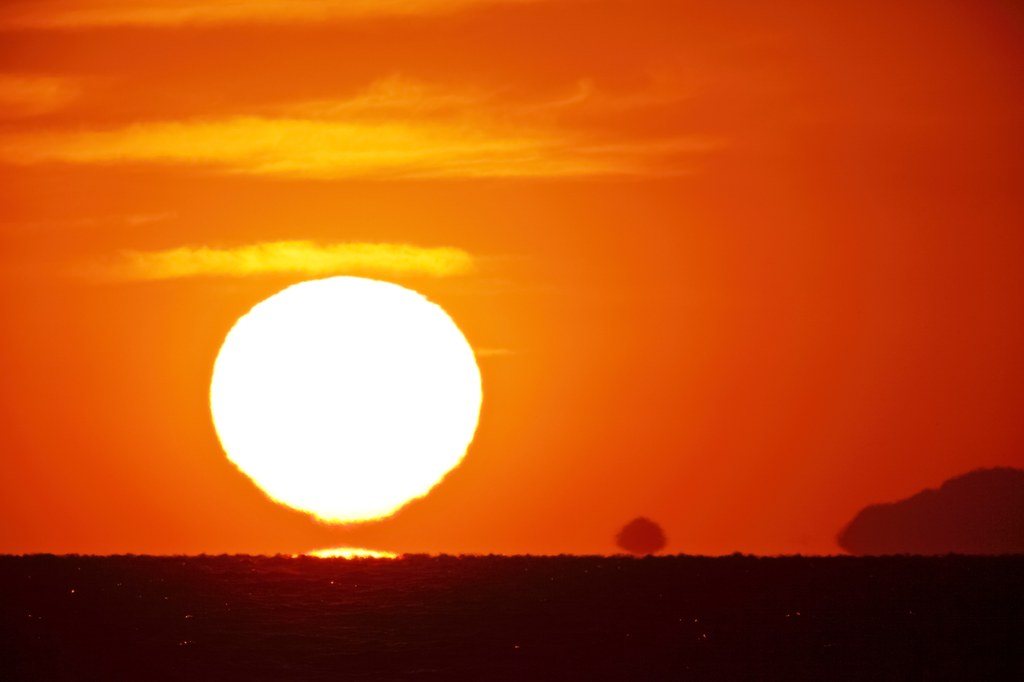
(351, 553)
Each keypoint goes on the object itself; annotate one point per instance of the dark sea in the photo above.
(511, 618)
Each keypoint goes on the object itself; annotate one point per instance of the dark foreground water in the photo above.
(511, 618)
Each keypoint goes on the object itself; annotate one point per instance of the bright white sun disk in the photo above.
(345, 397)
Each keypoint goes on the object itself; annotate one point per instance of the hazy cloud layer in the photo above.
(95, 13)
(91, 222)
(288, 257)
(22, 96)
(393, 96)
(395, 128)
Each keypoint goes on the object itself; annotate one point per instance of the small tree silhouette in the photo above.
(641, 536)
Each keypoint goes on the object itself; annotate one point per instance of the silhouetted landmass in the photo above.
(511, 618)
(981, 512)
(641, 536)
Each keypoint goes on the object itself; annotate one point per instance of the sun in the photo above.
(345, 397)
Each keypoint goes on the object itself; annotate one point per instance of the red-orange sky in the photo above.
(740, 267)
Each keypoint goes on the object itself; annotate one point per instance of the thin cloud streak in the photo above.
(318, 149)
(395, 128)
(392, 96)
(92, 222)
(52, 14)
(24, 96)
(398, 95)
(286, 257)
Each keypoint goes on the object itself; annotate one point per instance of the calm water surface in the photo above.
(511, 618)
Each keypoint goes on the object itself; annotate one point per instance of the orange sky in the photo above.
(740, 267)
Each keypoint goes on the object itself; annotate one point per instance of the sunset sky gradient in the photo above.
(742, 268)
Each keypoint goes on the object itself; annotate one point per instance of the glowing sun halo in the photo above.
(345, 397)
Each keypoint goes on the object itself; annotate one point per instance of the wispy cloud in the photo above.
(318, 149)
(89, 222)
(390, 97)
(22, 96)
(286, 257)
(93, 13)
(396, 128)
